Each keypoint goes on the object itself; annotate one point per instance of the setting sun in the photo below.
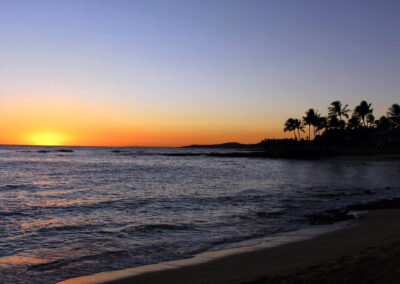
(47, 139)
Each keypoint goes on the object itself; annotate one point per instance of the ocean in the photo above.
(70, 213)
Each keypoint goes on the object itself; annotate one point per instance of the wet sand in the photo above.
(348, 255)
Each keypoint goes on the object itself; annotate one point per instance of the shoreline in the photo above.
(246, 264)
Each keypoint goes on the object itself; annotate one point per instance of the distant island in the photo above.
(228, 145)
(337, 134)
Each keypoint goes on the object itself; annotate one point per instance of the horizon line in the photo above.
(93, 146)
(127, 146)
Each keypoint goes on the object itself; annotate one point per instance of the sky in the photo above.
(172, 73)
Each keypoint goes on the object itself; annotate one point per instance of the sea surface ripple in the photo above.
(66, 214)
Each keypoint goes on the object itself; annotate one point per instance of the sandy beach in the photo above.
(365, 252)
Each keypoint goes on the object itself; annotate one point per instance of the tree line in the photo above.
(339, 119)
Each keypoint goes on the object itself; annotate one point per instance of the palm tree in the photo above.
(382, 124)
(334, 122)
(394, 115)
(354, 122)
(298, 126)
(320, 123)
(310, 119)
(290, 126)
(363, 110)
(370, 120)
(336, 110)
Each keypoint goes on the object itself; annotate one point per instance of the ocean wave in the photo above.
(82, 205)
(150, 209)
(17, 186)
(61, 263)
(48, 265)
(237, 239)
(342, 194)
(13, 213)
(69, 228)
(263, 214)
(156, 228)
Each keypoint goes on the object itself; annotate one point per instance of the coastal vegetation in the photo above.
(342, 132)
(338, 121)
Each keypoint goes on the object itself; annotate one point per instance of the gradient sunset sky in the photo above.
(171, 73)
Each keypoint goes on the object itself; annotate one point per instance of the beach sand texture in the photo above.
(364, 253)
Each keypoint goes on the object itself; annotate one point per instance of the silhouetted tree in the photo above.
(310, 119)
(370, 120)
(298, 126)
(334, 123)
(361, 129)
(290, 126)
(394, 115)
(336, 110)
(320, 123)
(363, 110)
(383, 124)
(354, 122)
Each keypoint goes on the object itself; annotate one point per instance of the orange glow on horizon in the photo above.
(75, 122)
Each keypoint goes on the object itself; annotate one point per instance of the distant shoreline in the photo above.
(282, 149)
(238, 150)
(350, 157)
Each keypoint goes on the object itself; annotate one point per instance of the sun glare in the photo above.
(47, 139)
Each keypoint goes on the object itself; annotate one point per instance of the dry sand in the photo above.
(365, 253)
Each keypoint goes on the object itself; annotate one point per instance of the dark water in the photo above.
(70, 214)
